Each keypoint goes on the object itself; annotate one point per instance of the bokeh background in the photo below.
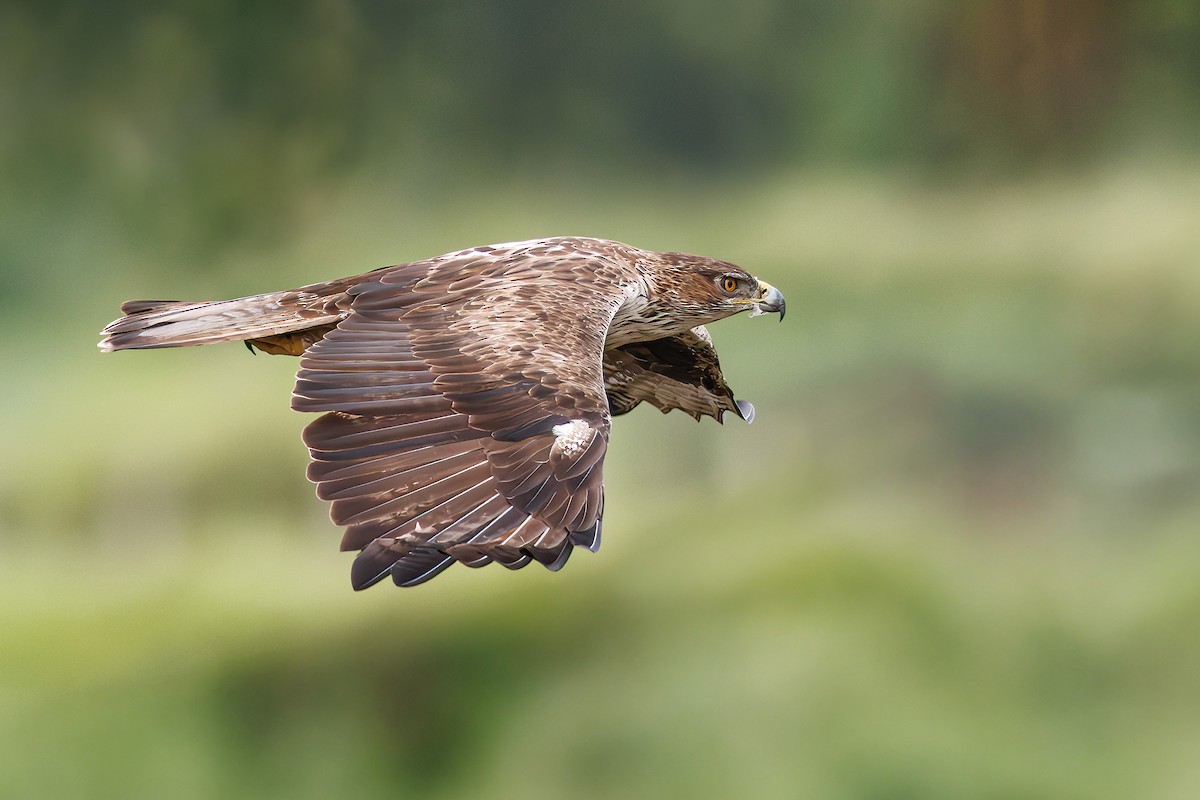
(957, 556)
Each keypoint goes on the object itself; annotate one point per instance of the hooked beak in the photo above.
(771, 301)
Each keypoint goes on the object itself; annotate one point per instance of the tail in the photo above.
(175, 323)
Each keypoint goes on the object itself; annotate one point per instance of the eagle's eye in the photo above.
(730, 284)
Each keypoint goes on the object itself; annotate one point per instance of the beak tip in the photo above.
(772, 302)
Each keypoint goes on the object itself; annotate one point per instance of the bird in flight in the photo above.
(467, 398)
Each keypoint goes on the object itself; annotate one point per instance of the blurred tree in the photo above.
(193, 125)
(1036, 77)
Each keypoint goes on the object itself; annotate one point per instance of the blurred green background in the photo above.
(957, 556)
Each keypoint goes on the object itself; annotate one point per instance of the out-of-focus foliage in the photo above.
(955, 557)
(193, 123)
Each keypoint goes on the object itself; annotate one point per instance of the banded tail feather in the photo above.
(277, 322)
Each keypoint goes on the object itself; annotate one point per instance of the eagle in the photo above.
(466, 399)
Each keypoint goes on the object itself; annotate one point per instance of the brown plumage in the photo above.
(467, 398)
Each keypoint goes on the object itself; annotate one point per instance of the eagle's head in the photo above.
(709, 290)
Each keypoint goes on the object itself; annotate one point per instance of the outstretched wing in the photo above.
(468, 419)
(676, 372)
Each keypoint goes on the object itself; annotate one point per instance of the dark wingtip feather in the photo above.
(552, 559)
(367, 570)
(420, 566)
(588, 538)
(383, 557)
(563, 555)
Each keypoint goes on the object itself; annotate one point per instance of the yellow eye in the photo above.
(729, 284)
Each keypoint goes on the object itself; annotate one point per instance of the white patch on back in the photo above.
(571, 438)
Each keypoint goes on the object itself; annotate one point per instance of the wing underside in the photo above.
(678, 372)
